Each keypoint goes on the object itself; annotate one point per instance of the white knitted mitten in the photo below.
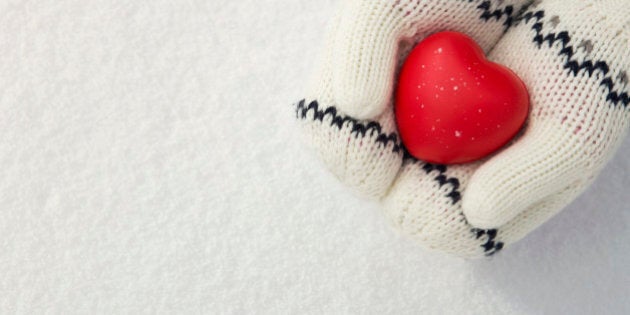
(573, 58)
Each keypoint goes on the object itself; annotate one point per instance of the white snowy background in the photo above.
(149, 164)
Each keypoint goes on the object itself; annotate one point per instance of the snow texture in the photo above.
(151, 164)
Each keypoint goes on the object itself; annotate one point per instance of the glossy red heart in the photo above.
(455, 106)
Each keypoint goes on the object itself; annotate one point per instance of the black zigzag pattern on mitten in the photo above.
(369, 128)
(491, 246)
(497, 14)
(359, 128)
(574, 66)
(441, 177)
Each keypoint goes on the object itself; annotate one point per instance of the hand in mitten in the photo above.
(574, 62)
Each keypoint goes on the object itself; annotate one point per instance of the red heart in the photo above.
(455, 106)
